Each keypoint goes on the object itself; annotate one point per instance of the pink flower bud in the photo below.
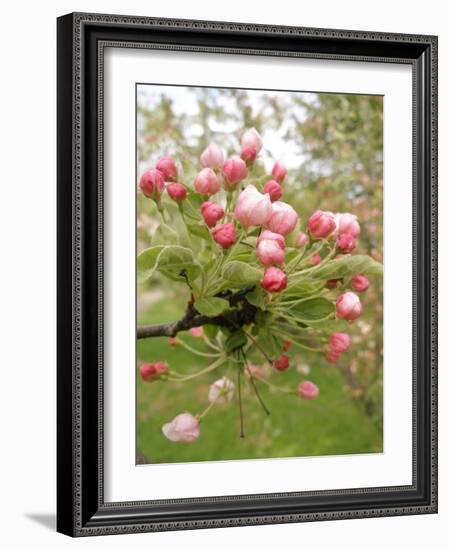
(360, 283)
(211, 212)
(233, 171)
(339, 342)
(152, 184)
(332, 356)
(279, 171)
(197, 332)
(153, 371)
(221, 391)
(185, 428)
(248, 155)
(274, 280)
(282, 363)
(321, 224)
(177, 191)
(283, 218)
(348, 306)
(286, 345)
(273, 188)
(255, 371)
(315, 259)
(251, 138)
(301, 239)
(224, 235)
(270, 248)
(212, 156)
(206, 182)
(308, 390)
(252, 207)
(346, 243)
(167, 166)
(347, 223)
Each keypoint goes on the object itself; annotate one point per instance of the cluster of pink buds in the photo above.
(347, 230)
(344, 227)
(153, 371)
(251, 143)
(339, 342)
(163, 176)
(247, 208)
(252, 208)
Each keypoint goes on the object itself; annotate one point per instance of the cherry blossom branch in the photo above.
(192, 319)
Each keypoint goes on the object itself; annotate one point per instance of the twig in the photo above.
(192, 318)
(253, 384)
(239, 384)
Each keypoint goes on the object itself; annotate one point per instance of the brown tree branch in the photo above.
(192, 318)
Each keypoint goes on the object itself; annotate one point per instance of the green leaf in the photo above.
(147, 262)
(272, 345)
(348, 265)
(262, 318)
(235, 341)
(211, 306)
(191, 213)
(210, 331)
(314, 309)
(199, 230)
(301, 289)
(177, 261)
(164, 235)
(241, 275)
(171, 261)
(257, 297)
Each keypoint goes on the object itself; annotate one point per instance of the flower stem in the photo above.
(210, 343)
(253, 384)
(161, 211)
(310, 270)
(196, 351)
(301, 345)
(239, 385)
(277, 388)
(208, 408)
(209, 368)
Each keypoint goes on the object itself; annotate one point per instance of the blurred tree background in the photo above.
(332, 145)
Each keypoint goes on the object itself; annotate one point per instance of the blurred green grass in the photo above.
(333, 424)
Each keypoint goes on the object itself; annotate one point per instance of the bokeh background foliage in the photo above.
(332, 145)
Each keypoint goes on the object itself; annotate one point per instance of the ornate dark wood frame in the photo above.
(81, 507)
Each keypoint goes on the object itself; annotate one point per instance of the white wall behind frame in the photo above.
(27, 475)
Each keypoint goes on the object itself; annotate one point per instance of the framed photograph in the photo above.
(247, 277)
